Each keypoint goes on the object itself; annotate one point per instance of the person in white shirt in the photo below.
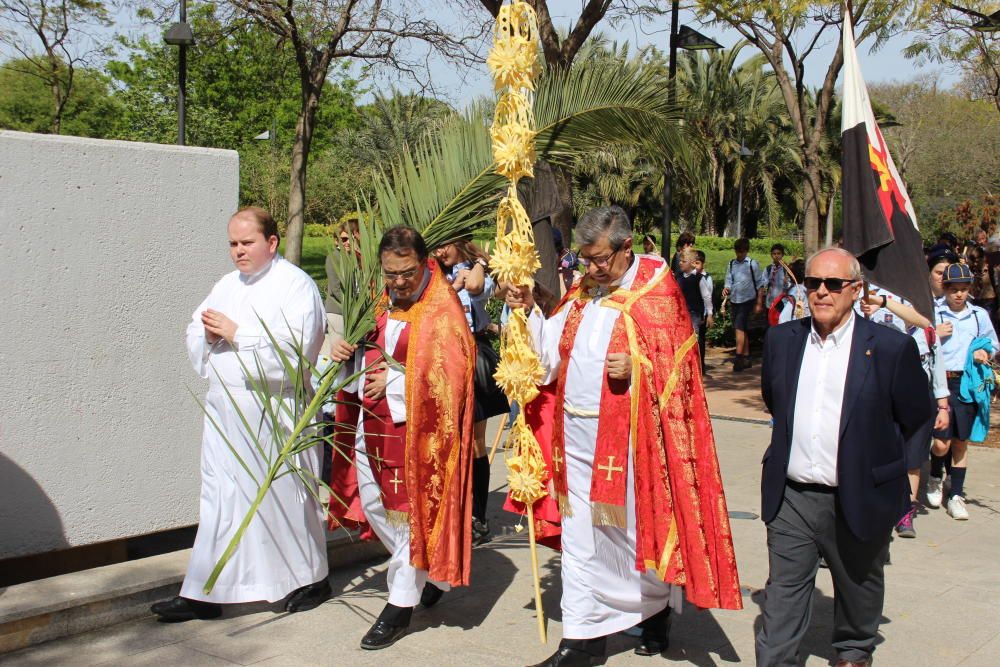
(846, 396)
(284, 548)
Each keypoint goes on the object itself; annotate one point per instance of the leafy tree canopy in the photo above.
(26, 103)
(241, 82)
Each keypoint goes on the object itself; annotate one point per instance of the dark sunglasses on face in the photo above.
(812, 283)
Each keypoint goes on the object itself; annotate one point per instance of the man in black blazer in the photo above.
(845, 395)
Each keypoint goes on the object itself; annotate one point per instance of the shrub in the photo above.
(316, 230)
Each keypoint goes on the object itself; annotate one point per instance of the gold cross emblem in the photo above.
(557, 460)
(611, 468)
(395, 481)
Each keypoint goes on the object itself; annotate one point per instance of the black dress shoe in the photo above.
(652, 645)
(430, 595)
(480, 532)
(569, 657)
(309, 597)
(184, 609)
(655, 637)
(382, 635)
(577, 653)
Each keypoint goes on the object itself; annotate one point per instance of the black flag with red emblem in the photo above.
(879, 225)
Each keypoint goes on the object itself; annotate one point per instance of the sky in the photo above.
(888, 64)
(460, 86)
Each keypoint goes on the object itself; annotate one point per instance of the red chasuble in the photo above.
(423, 467)
(682, 524)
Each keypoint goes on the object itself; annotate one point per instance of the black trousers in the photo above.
(808, 526)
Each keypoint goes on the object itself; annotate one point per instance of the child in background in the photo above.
(744, 286)
(709, 321)
(968, 344)
(776, 278)
(798, 304)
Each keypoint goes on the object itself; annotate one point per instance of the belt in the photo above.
(578, 412)
(809, 486)
(953, 375)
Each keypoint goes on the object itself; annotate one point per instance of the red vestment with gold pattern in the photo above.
(423, 467)
(682, 524)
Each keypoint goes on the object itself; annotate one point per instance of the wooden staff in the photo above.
(496, 441)
(539, 610)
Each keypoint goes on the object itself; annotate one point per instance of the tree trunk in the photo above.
(300, 160)
(57, 97)
(810, 195)
(56, 126)
(563, 221)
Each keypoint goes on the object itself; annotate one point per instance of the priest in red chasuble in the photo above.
(634, 476)
(404, 470)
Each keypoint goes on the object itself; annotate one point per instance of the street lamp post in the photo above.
(688, 39)
(744, 153)
(181, 36)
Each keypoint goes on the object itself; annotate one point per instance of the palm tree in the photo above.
(393, 125)
(729, 106)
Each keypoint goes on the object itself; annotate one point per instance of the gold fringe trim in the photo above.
(564, 508)
(605, 514)
(397, 518)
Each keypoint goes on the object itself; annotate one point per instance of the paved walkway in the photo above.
(941, 607)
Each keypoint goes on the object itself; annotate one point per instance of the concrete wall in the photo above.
(106, 248)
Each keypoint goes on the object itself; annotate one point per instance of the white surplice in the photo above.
(284, 546)
(603, 592)
(405, 582)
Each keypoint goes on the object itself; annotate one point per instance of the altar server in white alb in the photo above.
(283, 551)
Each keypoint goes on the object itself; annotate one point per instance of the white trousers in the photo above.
(406, 582)
(603, 592)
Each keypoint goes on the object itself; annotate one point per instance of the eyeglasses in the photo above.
(402, 275)
(345, 239)
(601, 262)
(812, 283)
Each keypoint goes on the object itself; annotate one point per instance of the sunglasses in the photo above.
(812, 283)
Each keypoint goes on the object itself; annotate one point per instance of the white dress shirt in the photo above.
(818, 403)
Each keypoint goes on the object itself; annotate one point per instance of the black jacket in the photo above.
(886, 402)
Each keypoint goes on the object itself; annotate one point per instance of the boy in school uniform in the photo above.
(776, 278)
(744, 285)
(708, 288)
(968, 343)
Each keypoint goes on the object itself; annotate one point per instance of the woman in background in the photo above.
(467, 268)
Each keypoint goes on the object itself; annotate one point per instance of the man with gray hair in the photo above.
(635, 478)
(846, 395)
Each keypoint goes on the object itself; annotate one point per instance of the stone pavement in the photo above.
(942, 601)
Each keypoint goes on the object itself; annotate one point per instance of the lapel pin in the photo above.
(868, 353)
